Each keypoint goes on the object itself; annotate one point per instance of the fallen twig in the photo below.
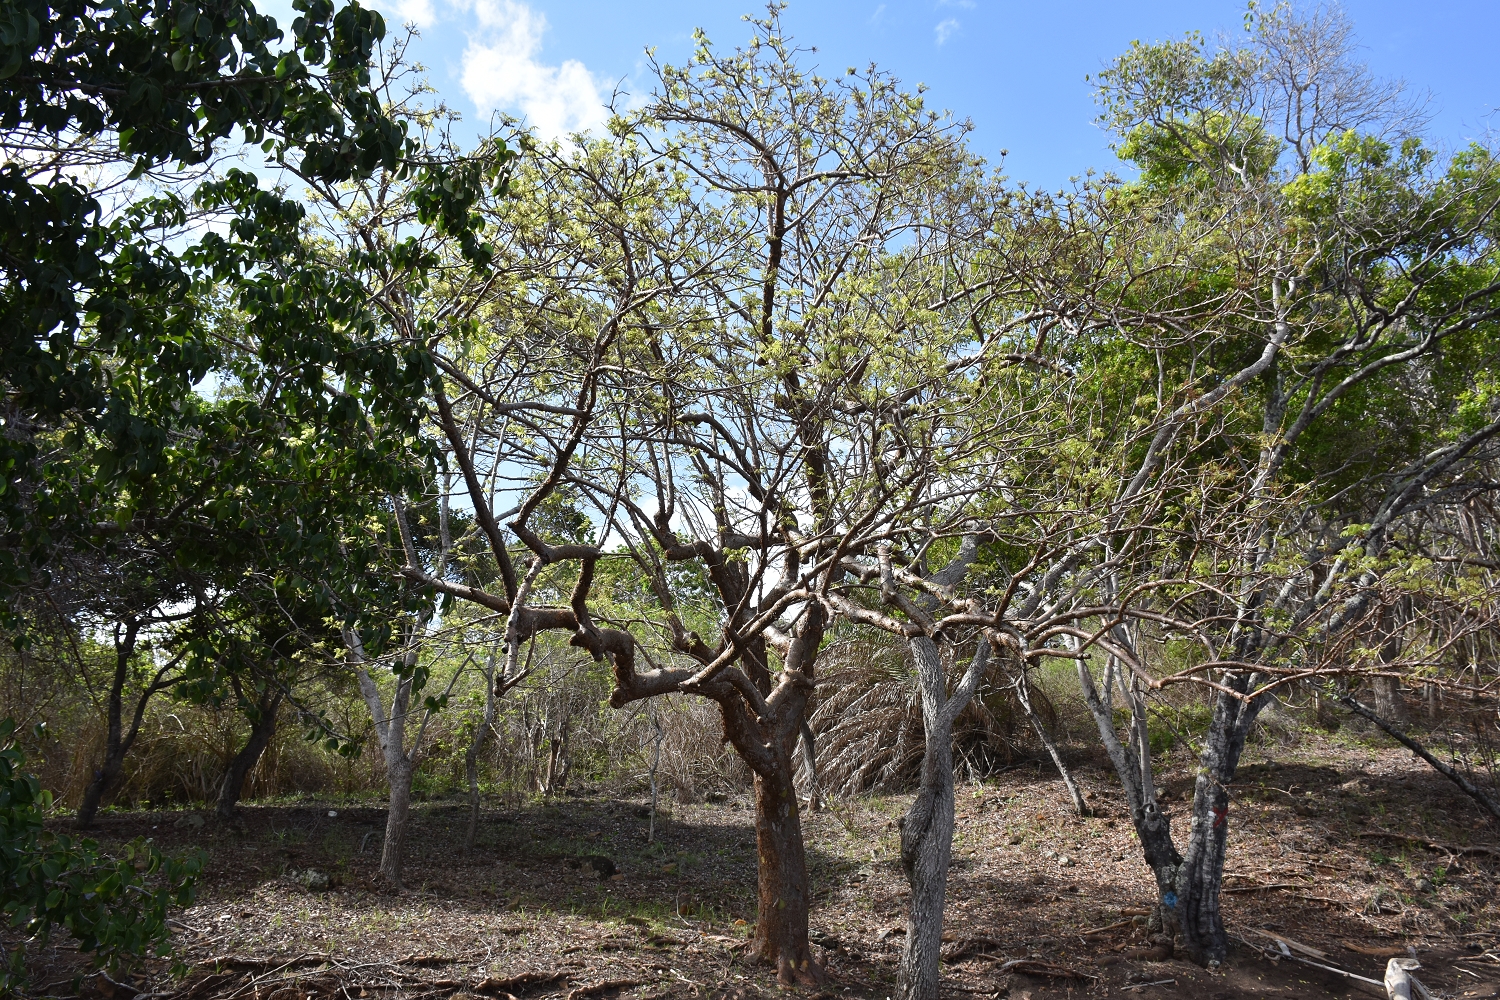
(1117, 925)
(1285, 953)
(1037, 967)
(1290, 943)
(524, 979)
(970, 946)
(1373, 950)
(244, 962)
(1159, 982)
(1493, 852)
(1266, 887)
(594, 989)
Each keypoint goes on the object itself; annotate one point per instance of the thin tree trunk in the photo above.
(471, 757)
(262, 729)
(103, 780)
(927, 827)
(1387, 697)
(1201, 878)
(393, 851)
(810, 761)
(1132, 765)
(400, 762)
(1023, 695)
(661, 734)
(1387, 690)
(116, 742)
(1470, 789)
(400, 766)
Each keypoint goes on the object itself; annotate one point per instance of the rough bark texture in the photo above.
(262, 729)
(1132, 762)
(1202, 875)
(1387, 696)
(927, 836)
(781, 927)
(767, 744)
(394, 848)
(1386, 691)
(810, 764)
(927, 827)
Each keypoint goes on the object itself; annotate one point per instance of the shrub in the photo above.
(116, 907)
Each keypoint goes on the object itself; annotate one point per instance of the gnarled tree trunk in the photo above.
(926, 853)
(118, 739)
(105, 776)
(262, 729)
(767, 743)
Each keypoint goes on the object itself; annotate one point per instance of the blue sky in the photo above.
(1015, 69)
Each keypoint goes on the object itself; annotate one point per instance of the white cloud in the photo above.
(418, 12)
(945, 29)
(500, 71)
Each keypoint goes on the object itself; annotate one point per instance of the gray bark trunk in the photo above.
(1386, 691)
(400, 768)
(1201, 877)
(1023, 695)
(1387, 696)
(926, 853)
(393, 851)
(810, 763)
(1132, 763)
(927, 827)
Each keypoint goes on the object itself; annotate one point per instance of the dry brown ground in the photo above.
(1352, 853)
